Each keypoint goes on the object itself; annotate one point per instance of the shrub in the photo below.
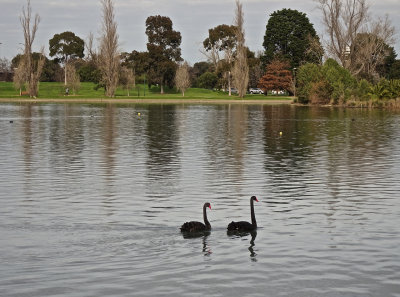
(381, 90)
(320, 92)
(332, 83)
(307, 75)
(361, 92)
(340, 80)
(89, 73)
(207, 80)
(394, 88)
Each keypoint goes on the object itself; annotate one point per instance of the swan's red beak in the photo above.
(209, 206)
(257, 200)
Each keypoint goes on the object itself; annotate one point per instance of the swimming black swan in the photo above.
(242, 225)
(194, 226)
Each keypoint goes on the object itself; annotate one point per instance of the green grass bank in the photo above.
(55, 91)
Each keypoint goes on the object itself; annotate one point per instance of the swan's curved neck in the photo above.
(253, 216)
(205, 216)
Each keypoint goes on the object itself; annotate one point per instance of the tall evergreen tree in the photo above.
(288, 36)
(164, 50)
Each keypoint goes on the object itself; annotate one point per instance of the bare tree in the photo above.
(371, 48)
(91, 55)
(229, 58)
(20, 76)
(37, 72)
(5, 69)
(345, 20)
(109, 49)
(240, 71)
(5, 65)
(73, 79)
(315, 51)
(33, 70)
(212, 55)
(127, 78)
(182, 78)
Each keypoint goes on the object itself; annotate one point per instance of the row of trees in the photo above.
(67, 48)
(359, 45)
(107, 66)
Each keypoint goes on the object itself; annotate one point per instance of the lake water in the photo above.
(92, 198)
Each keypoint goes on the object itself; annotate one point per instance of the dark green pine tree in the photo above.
(290, 36)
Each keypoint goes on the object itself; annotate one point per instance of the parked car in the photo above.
(256, 91)
(279, 92)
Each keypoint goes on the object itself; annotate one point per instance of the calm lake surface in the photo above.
(92, 198)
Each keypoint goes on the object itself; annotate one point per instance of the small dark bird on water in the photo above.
(194, 226)
(243, 225)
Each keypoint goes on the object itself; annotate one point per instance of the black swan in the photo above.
(194, 226)
(245, 226)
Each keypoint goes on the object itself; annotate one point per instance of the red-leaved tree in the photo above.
(277, 77)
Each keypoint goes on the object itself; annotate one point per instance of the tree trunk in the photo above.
(229, 83)
(65, 73)
(162, 89)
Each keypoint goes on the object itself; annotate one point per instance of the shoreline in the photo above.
(146, 101)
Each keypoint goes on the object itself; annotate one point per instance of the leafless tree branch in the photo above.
(32, 71)
(241, 68)
(182, 78)
(355, 40)
(109, 53)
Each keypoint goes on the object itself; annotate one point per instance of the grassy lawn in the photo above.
(55, 90)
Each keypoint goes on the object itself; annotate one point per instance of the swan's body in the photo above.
(194, 226)
(243, 225)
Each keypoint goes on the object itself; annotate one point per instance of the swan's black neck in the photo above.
(205, 216)
(253, 216)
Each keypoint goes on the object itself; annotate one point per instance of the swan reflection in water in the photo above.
(253, 254)
(240, 234)
(206, 250)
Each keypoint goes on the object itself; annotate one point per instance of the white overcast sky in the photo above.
(192, 18)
